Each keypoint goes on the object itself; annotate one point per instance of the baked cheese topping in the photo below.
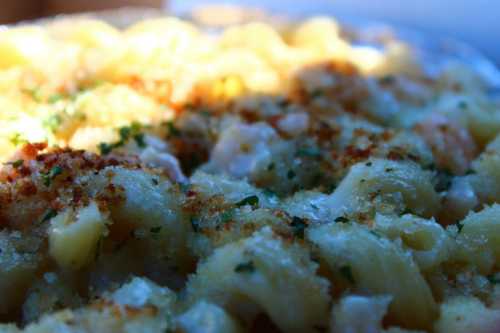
(291, 178)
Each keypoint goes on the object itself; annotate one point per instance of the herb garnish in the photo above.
(245, 267)
(52, 122)
(195, 224)
(308, 152)
(342, 219)
(252, 200)
(51, 175)
(15, 164)
(298, 226)
(493, 279)
(347, 273)
(126, 133)
(155, 230)
(17, 139)
(49, 215)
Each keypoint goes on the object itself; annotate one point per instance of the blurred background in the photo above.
(475, 22)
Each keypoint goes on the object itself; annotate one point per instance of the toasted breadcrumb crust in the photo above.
(162, 178)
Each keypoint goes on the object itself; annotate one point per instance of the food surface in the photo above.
(252, 178)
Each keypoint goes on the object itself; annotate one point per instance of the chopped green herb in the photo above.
(105, 148)
(51, 175)
(342, 219)
(347, 273)
(15, 164)
(124, 132)
(226, 216)
(172, 129)
(314, 206)
(459, 226)
(291, 174)
(245, 267)
(54, 98)
(389, 169)
(493, 279)
(34, 93)
(470, 172)
(154, 181)
(387, 79)
(308, 152)
(17, 139)
(155, 230)
(139, 140)
(184, 187)
(52, 122)
(368, 164)
(49, 215)
(252, 200)
(316, 93)
(195, 224)
(271, 166)
(443, 180)
(375, 233)
(406, 211)
(269, 193)
(299, 226)
(462, 105)
(98, 249)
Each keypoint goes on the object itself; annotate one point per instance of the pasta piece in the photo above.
(429, 243)
(205, 317)
(388, 270)
(387, 185)
(479, 239)
(75, 235)
(86, 32)
(240, 277)
(139, 305)
(346, 314)
(148, 204)
(23, 46)
(467, 314)
(17, 269)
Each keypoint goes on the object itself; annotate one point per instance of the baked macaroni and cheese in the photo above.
(256, 178)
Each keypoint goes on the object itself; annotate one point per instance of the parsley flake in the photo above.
(52, 122)
(51, 213)
(493, 279)
(51, 175)
(311, 152)
(172, 129)
(17, 139)
(342, 219)
(195, 224)
(291, 174)
(252, 200)
(347, 273)
(226, 216)
(16, 164)
(55, 98)
(298, 226)
(245, 267)
(105, 148)
(155, 230)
